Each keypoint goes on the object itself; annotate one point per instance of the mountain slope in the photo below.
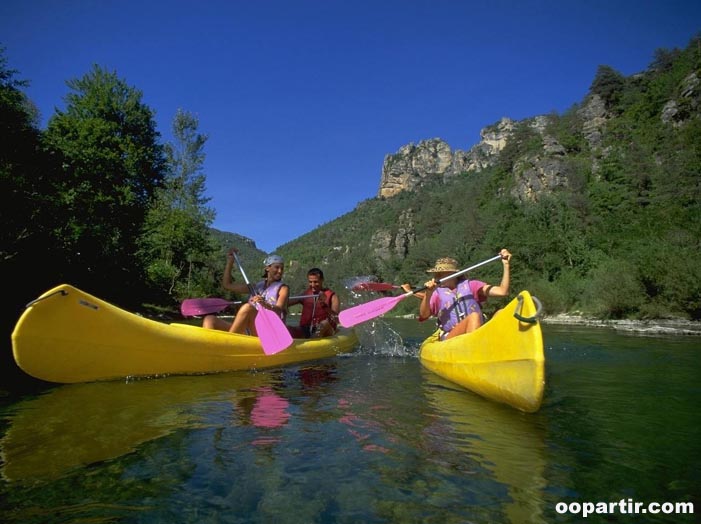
(600, 205)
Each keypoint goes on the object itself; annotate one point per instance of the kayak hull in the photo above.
(503, 360)
(68, 336)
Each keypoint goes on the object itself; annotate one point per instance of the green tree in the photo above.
(112, 164)
(25, 209)
(20, 180)
(27, 206)
(608, 84)
(176, 244)
(663, 59)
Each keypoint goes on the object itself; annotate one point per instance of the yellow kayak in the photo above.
(502, 360)
(67, 336)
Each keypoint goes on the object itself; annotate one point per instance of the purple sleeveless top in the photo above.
(450, 306)
(269, 293)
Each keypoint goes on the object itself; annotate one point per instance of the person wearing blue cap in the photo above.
(270, 293)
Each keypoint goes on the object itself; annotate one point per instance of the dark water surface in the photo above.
(370, 437)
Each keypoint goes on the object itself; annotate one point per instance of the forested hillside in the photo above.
(618, 234)
(600, 205)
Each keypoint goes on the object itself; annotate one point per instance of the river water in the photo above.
(369, 437)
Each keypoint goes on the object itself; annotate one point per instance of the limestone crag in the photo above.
(541, 173)
(387, 243)
(594, 116)
(493, 140)
(535, 173)
(679, 109)
(415, 164)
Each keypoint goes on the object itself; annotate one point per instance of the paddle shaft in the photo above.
(296, 297)
(206, 306)
(374, 286)
(301, 297)
(363, 312)
(251, 289)
(442, 280)
(455, 275)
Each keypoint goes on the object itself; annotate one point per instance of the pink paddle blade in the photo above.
(192, 307)
(272, 331)
(374, 286)
(203, 306)
(273, 334)
(363, 312)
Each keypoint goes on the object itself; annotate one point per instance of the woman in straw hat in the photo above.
(271, 293)
(456, 303)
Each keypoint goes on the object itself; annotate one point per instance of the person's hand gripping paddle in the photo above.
(364, 312)
(273, 334)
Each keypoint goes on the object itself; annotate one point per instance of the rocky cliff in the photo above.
(415, 164)
(536, 173)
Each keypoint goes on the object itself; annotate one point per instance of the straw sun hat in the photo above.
(444, 265)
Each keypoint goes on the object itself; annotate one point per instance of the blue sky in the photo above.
(302, 99)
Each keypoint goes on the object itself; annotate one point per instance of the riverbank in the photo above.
(643, 327)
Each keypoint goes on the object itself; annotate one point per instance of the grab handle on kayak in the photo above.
(519, 307)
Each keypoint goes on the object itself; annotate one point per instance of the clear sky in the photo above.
(302, 99)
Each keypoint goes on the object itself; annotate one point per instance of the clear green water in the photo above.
(370, 437)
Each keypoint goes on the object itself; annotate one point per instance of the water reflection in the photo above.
(505, 442)
(266, 410)
(76, 425)
(270, 409)
(316, 378)
(360, 438)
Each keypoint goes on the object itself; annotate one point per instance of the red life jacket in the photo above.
(314, 311)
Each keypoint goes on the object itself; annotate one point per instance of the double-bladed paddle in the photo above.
(374, 286)
(192, 307)
(272, 332)
(363, 312)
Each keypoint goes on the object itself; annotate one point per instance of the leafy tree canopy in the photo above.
(111, 166)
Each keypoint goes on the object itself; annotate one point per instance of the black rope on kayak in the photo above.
(61, 292)
(519, 307)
